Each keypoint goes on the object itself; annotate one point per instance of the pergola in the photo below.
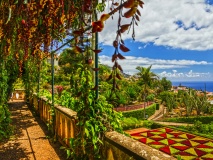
(32, 30)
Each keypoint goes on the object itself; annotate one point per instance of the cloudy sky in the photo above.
(174, 36)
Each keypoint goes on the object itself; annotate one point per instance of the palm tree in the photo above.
(200, 102)
(146, 78)
(186, 101)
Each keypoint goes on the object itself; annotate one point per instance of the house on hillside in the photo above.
(178, 88)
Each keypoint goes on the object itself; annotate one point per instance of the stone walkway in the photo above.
(30, 140)
(137, 130)
(173, 123)
(159, 113)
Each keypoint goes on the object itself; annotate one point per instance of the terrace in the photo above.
(85, 125)
(33, 141)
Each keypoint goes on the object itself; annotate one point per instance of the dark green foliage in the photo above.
(203, 119)
(150, 97)
(139, 113)
(131, 123)
(155, 125)
(165, 84)
(168, 99)
(5, 128)
(5, 92)
(95, 117)
(199, 128)
(157, 106)
(66, 100)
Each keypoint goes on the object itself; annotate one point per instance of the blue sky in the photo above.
(175, 37)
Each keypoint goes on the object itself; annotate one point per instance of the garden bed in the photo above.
(177, 143)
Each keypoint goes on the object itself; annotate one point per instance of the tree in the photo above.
(104, 72)
(193, 99)
(169, 99)
(166, 84)
(145, 80)
(185, 101)
(200, 102)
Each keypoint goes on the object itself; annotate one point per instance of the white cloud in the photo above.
(130, 63)
(182, 24)
(186, 76)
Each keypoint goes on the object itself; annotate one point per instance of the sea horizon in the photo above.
(197, 85)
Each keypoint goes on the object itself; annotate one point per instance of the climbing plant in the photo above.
(5, 129)
(95, 116)
(30, 30)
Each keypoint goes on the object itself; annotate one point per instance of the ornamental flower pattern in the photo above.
(177, 143)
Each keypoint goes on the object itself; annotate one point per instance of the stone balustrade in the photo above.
(116, 146)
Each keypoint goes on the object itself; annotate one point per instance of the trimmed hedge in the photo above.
(203, 119)
(139, 113)
(131, 123)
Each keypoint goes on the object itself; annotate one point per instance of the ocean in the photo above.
(198, 85)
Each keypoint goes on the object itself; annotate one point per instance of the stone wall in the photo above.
(116, 146)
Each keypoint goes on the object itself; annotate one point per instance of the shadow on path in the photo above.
(30, 139)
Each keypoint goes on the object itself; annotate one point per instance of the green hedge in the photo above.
(139, 113)
(131, 123)
(203, 119)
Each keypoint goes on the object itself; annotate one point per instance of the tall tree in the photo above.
(200, 102)
(145, 79)
(166, 84)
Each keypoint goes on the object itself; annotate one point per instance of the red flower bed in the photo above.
(173, 142)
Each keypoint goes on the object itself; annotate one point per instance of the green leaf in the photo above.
(68, 153)
(71, 141)
(16, 2)
(87, 132)
(25, 2)
(62, 147)
(93, 131)
(97, 128)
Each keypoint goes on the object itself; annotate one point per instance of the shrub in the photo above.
(139, 114)
(131, 123)
(203, 119)
(5, 127)
(205, 130)
(148, 124)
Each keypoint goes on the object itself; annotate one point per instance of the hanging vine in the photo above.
(5, 128)
(30, 29)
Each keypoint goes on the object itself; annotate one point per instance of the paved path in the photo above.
(158, 114)
(173, 124)
(137, 130)
(29, 141)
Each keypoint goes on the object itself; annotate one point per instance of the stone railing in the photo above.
(116, 146)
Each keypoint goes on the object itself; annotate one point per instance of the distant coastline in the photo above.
(198, 85)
